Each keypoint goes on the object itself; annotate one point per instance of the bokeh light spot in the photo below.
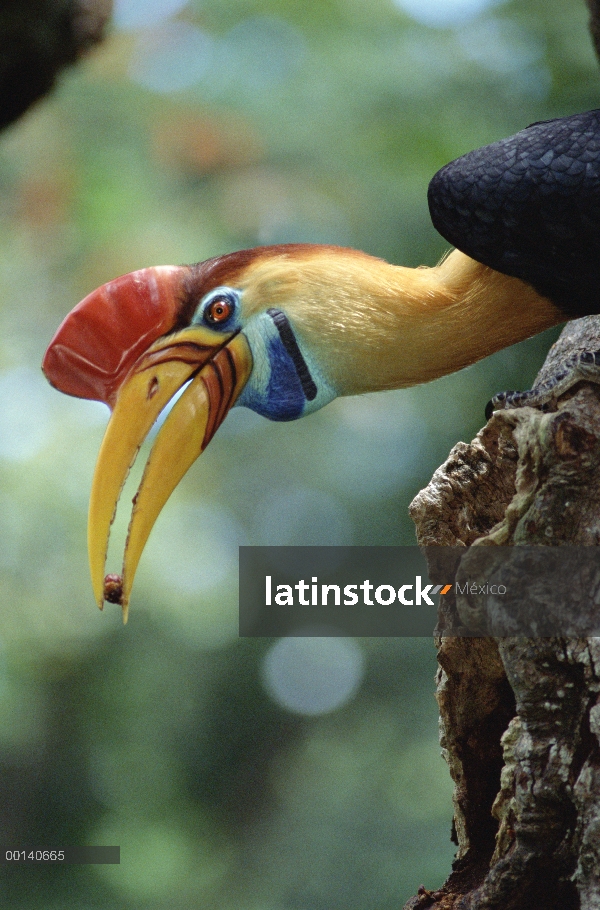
(502, 47)
(171, 58)
(313, 675)
(444, 13)
(133, 14)
(263, 50)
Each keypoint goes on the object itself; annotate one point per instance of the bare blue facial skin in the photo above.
(284, 383)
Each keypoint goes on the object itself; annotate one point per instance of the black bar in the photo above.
(22, 856)
(529, 591)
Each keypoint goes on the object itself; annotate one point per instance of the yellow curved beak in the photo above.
(217, 368)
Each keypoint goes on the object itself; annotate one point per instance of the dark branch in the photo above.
(37, 39)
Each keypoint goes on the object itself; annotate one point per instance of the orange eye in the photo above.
(218, 310)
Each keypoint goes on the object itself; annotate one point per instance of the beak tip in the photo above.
(112, 591)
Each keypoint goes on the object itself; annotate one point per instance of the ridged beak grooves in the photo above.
(119, 346)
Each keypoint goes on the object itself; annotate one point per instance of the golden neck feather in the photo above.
(375, 326)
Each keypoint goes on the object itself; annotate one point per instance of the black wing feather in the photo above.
(529, 206)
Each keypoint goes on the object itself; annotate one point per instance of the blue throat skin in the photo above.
(283, 386)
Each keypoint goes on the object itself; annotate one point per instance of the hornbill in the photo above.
(285, 329)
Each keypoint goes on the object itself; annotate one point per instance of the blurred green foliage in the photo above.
(235, 124)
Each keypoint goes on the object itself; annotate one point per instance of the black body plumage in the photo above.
(529, 206)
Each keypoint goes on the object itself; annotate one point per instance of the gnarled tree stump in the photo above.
(520, 718)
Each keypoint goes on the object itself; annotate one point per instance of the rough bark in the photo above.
(520, 718)
(37, 39)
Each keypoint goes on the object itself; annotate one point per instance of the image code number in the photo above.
(83, 855)
(34, 856)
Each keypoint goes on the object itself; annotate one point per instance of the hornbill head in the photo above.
(254, 328)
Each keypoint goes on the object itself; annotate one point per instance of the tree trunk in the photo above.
(520, 718)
